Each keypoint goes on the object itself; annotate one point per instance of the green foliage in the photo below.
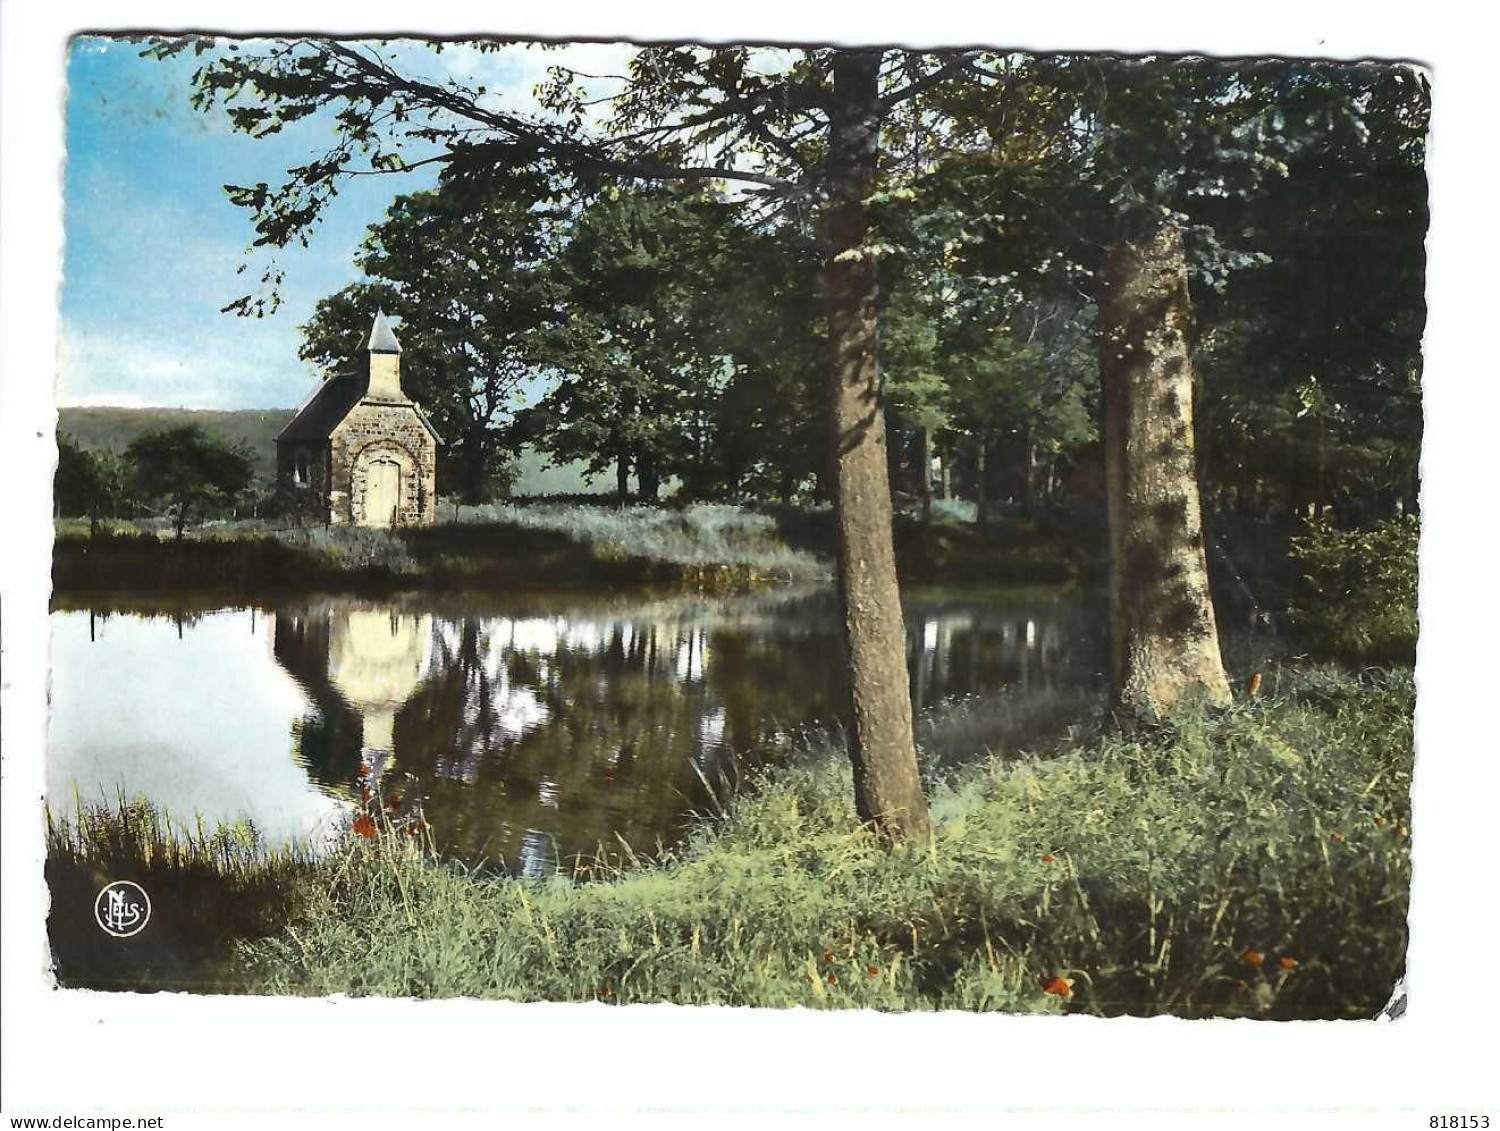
(468, 275)
(187, 471)
(1002, 178)
(1358, 592)
(1253, 864)
(87, 482)
(638, 370)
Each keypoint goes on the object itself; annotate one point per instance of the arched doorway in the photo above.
(382, 491)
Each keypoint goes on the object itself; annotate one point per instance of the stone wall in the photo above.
(391, 430)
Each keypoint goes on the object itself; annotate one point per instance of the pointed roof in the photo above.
(321, 413)
(330, 402)
(381, 339)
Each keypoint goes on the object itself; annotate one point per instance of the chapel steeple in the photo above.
(384, 362)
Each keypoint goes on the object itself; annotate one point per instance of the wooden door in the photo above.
(382, 493)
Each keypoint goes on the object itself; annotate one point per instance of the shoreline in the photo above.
(780, 899)
(706, 548)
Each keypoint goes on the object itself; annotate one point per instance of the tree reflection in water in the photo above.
(533, 737)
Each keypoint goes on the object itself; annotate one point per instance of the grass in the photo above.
(210, 889)
(555, 546)
(1252, 863)
(510, 547)
(703, 535)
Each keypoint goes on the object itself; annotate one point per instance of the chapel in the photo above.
(363, 450)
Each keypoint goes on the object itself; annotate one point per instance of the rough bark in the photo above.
(1166, 644)
(887, 787)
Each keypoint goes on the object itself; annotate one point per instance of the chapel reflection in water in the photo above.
(534, 737)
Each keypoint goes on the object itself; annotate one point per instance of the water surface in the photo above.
(529, 730)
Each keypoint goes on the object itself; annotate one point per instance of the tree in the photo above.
(1166, 643)
(917, 380)
(87, 482)
(1078, 155)
(806, 139)
(187, 471)
(1129, 194)
(981, 352)
(768, 434)
(468, 274)
(637, 282)
(1312, 362)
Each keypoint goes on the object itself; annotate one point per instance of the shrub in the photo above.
(1356, 595)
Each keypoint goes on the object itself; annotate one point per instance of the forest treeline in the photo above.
(680, 334)
(673, 337)
(1178, 285)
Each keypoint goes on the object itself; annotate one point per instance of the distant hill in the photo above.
(113, 428)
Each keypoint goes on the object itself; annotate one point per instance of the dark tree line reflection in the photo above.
(534, 737)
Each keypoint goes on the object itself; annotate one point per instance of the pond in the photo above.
(529, 730)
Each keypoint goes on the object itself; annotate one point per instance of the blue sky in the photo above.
(153, 243)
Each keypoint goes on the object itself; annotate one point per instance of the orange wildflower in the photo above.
(833, 979)
(828, 956)
(364, 769)
(1252, 686)
(365, 795)
(874, 970)
(1048, 858)
(1062, 987)
(1253, 956)
(1287, 962)
(394, 802)
(364, 826)
(1336, 835)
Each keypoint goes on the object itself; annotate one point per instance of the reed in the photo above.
(1255, 863)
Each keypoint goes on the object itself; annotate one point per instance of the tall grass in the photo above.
(544, 546)
(210, 888)
(703, 534)
(1254, 863)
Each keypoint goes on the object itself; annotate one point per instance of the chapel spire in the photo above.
(384, 362)
(382, 339)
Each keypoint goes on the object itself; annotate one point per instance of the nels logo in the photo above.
(122, 908)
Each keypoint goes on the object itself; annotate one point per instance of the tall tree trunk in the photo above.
(1166, 644)
(981, 494)
(647, 474)
(925, 483)
(887, 786)
(474, 461)
(622, 473)
(945, 477)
